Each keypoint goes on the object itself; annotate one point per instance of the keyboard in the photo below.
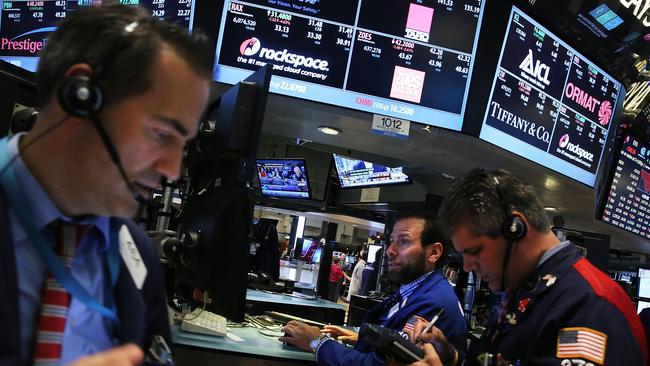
(205, 322)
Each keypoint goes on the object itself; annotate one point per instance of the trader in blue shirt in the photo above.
(120, 93)
(414, 254)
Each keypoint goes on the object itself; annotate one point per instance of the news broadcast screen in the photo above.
(549, 103)
(355, 173)
(285, 178)
(627, 204)
(25, 25)
(378, 56)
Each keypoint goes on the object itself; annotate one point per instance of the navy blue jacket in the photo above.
(434, 293)
(142, 313)
(566, 297)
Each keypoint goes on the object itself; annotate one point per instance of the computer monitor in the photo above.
(17, 91)
(404, 59)
(644, 283)
(372, 253)
(25, 25)
(308, 250)
(355, 173)
(623, 197)
(284, 178)
(218, 210)
(640, 305)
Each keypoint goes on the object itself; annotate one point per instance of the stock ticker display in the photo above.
(400, 58)
(628, 200)
(25, 25)
(548, 103)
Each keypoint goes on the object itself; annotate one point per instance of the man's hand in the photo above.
(430, 357)
(126, 355)
(299, 334)
(445, 351)
(342, 334)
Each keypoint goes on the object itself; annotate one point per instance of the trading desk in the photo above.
(242, 346)
(319, 310)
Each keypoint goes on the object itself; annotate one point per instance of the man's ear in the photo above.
(434, 252)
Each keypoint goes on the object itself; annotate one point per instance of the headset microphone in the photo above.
(115, 157)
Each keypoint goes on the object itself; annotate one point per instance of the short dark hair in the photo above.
(102, 37)
(481, 199)
(430, 232)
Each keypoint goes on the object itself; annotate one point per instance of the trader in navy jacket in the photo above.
(559, 309)
(120, 93)
(415, 249)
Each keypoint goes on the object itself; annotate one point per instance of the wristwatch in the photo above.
(316, 342)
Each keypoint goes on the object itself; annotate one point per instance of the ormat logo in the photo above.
(574, 148)
(252, 46)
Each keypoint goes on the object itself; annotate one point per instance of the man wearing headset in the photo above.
(558, 308)
(120, 94)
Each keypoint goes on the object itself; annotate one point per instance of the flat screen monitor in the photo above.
(640, 305)
(404, 59)
(308, 251)
(372, 253)
(548, 103)
(644, 283)
(286, 178)
(25, 24)
(625, 200)
(355, 173)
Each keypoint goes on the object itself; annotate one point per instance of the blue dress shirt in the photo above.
(85, 331)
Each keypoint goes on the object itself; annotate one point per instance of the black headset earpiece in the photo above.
(80, 96)
(513, 229)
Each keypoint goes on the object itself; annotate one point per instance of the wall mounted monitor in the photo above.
(25, 24)
(399, 58)
(309, 248)
(548, 103)
(372, 253)
(286, 178)
(355, 173)
(625, 199)
(644, 283)
(640, 305)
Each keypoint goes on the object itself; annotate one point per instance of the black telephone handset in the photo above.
(391, 344)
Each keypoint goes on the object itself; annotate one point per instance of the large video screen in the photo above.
(25, 25)
(627, 203)
(548, 103)
(283, 178)
(404, 59)
(355, 173)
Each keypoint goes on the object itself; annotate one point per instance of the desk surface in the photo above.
(253, 343)
(255, 295)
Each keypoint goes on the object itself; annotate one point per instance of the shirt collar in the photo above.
(407, 289)
(39, 203)
(549, 253)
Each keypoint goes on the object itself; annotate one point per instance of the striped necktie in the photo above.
(55, 300)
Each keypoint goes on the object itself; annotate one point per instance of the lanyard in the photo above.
(45, 252)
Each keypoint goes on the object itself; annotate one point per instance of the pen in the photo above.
(431, 323)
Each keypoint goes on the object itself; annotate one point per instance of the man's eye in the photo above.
(404, 242)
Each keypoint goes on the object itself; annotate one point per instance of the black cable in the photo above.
(41, 135)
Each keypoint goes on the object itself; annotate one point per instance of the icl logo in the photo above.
(535, 68)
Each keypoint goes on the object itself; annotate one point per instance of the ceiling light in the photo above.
(329, 130)
(551, 209)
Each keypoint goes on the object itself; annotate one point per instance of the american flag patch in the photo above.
(581, 342)
(410, 324)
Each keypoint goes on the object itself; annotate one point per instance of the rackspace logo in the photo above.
(536, 69)
(582, 98)
(28, 45)
(574, 148)
(252, 46)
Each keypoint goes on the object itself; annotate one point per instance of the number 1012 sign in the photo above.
(389, 126)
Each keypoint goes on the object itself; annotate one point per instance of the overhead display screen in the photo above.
(548, 103)
(355, 173)
(25, 25)
(628, 199)
(283, 178)
(404, 59)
